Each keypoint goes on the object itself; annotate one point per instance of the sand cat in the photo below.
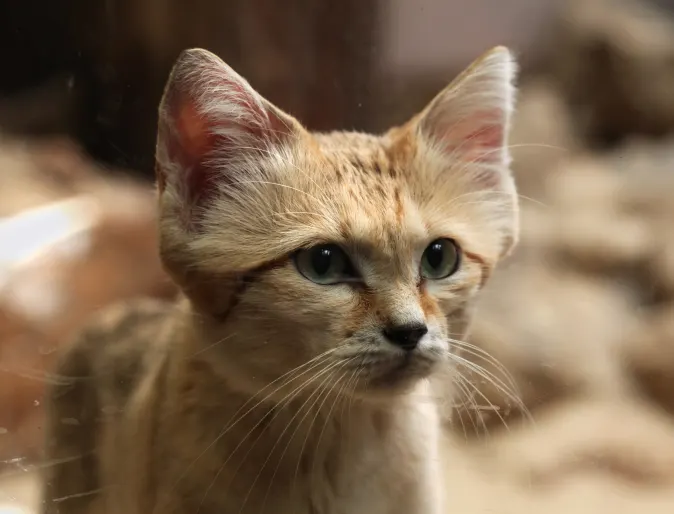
(324, 277)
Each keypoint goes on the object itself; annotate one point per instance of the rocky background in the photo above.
(568, 399)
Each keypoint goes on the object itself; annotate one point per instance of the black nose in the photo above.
(406, 336)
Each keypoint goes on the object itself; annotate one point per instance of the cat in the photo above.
(323, 279)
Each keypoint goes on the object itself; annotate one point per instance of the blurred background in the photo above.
(579, 321)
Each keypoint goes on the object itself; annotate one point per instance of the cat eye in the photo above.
(440, 259)
(325, 264)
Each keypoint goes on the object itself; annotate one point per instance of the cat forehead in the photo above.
(370, 201)
(360, 156)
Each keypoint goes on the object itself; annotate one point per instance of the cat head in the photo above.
(351, 257)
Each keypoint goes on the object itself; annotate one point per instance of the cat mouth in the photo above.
(391, 371)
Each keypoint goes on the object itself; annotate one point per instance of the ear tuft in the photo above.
(469, 120)
(211, 121)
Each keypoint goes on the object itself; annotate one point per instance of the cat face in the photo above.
(343, 260)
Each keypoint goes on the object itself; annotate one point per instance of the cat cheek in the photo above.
(354, 313)
(429, 305)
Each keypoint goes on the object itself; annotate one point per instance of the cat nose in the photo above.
(406, 336)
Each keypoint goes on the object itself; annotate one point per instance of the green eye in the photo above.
(440, 259)
(325, 264)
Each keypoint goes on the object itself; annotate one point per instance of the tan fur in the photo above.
(262, 391)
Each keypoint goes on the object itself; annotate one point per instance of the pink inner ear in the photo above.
(477, 139)
(193, 129)
(195, 139)
(191, 141)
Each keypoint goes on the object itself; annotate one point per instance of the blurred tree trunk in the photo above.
(313, 59)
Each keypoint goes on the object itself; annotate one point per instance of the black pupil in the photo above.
(321, 259)
(434, 255)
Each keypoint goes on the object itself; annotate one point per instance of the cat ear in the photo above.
(211, 124)
(468, 122)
